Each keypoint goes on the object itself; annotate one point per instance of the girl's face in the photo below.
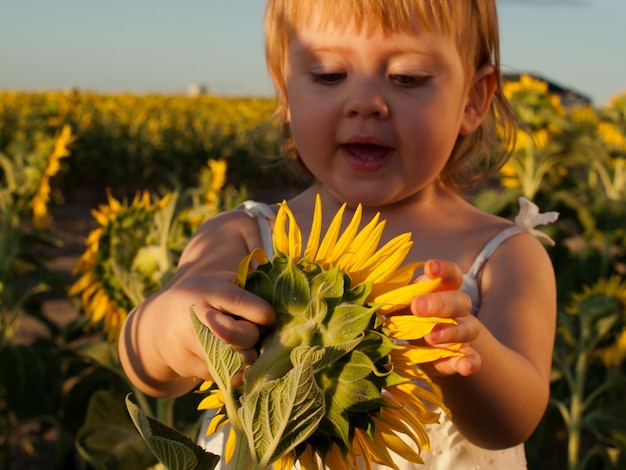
(375, 117)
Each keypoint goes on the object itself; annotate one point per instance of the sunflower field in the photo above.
(154, 167)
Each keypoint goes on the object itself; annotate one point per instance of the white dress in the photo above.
(449, 450)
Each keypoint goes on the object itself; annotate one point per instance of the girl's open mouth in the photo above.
(368, 152)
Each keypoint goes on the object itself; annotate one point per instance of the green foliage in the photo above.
(175, 450)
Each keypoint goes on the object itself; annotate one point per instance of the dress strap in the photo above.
(526, 221)
(263, 214)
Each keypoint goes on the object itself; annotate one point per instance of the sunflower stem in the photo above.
(273, 363)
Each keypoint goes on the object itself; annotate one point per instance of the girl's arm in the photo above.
(498, 393)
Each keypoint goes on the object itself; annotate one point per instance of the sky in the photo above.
(146, 46)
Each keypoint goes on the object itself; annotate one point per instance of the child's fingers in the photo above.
(451, 303)
(240, 334)
(465, 331)
(450, 274)
(229, 298)
(465, 365)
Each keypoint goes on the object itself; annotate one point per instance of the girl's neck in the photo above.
(420, 211)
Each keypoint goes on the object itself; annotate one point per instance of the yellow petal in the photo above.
(114, 204)
(369, 450)
(345, 242)
(217, 423)
(335, 459)
(102, 217)
(402, 277)
(331, 237)
(408, 423)
(165, 200)
(386, 260)
(289, 244)
(400, 298)
(408, 394)
(257, 255)
(286, 462)
(307, 459)
(364, 246)
(395, 444)
(377, 447)
(295, 236)
(98, 306)
(281, 241)
(83, 282)
(423, 354)
(406, 327)
(316, 229)
(214, 400)
(229, 451)
(205, 385)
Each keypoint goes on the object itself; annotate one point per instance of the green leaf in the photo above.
(259, 283)
(346, 322)
(376, 345)
(608, 421)
(291, 290)
(173, 449)
(222, 360)
(103, 353)
(358, 294)
(284, 412)
(108, 438)
(335, 420)
(335, 352)
(316, 310)
(129, 282)
(348, 381)
(328, 285)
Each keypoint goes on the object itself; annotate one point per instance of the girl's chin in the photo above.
(366, 195)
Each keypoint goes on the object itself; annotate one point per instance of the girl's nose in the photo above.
(366, 101)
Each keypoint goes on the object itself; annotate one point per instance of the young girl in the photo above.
(396, 105)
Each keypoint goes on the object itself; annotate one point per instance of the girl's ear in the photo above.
(478, 99)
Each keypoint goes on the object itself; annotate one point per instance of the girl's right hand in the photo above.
(232, 313)
(166, 357)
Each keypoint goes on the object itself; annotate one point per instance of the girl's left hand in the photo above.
(449, 302)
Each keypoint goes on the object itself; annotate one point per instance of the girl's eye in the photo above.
(328, 78)
(408, 80)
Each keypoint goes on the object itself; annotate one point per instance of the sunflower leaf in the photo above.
(357, 294)
(335, 422)
(222, 360)
(376, 345)
(259, 283)
(335, 352)
(348, 380)
(283, 412)
(291, 290)
(328, 285)
(346, 322)
(175, 450)
(316, 310)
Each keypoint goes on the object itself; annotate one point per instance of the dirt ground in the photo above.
(71, 225)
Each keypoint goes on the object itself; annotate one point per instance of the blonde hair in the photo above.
(472, 23)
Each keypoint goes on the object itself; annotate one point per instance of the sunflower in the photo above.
(125, 259)
(605, 301)
(39, 202)
(337, 378)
